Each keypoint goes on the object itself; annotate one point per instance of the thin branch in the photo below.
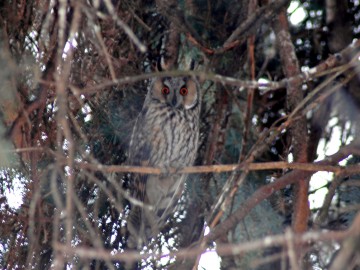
(63, 127)
(289, 236)
(329, 65)
(350, 248)
(222, 250)
(93, 235)
(261, 166)
(242, 32)
(266, 191)
(261, 15)
(105, 51)
(324, 211)
(142, 48)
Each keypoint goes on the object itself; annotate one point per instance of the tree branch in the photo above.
(222, 250)
(261, 166)
(266, 191)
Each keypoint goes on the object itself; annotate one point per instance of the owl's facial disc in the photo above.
(191, 97)
(176, 92)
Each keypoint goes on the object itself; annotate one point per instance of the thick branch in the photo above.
(298, 130)
(266, 191)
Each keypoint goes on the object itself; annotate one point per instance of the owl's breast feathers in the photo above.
(168, 140)
(174, 140)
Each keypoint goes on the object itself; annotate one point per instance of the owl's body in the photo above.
(165, 135)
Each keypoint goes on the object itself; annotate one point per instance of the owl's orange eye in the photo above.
(165, 90)
(184, 91)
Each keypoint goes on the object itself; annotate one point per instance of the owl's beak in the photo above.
(175, 102)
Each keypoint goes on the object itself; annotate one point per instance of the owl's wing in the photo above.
(139, 155)
(140, 148)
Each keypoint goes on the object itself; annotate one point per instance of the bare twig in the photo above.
(142, 48)
(222, 250)
(261, 166)
(350, 248)
(328, 65)
(262, 14)
(63, 127)
(289, 236)
(106, 53)
(264, 192)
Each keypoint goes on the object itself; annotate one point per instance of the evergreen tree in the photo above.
(277, 95)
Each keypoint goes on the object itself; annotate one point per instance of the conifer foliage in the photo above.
(276, 179)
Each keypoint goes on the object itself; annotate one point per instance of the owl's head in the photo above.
(182, 92)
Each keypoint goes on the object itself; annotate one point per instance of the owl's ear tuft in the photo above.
(161, 65)
(158, 65)
(192, 64)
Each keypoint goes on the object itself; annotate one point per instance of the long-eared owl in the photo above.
(166, 136)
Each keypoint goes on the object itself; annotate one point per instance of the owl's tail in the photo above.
(160, 202)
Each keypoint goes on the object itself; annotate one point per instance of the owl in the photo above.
(165, 135)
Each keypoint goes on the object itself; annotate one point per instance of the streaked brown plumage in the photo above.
(165, 135)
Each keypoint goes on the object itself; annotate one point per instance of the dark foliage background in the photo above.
(73, 78)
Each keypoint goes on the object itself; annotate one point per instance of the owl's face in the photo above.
(178, 93)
